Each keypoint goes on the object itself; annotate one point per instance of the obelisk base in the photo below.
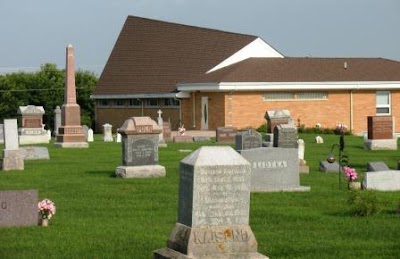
(219, 242)
(71, 137)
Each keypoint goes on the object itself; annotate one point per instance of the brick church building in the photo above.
(205, 78)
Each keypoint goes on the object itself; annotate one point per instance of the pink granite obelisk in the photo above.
(70, 133)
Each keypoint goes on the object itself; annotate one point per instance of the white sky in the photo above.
(35, 32)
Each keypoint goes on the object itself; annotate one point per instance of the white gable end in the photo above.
(256, 49)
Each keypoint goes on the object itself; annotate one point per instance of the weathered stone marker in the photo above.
(225, 134)
(248, 139)
(214, 205)
(140, 149)
(32, 128)
(18, 208)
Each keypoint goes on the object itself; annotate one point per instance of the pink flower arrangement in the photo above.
(350, 173)
(46, 208)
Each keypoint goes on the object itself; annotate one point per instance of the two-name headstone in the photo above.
(140, 149)
(213, 208)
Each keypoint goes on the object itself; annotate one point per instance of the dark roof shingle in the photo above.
(153, 56)
(305, 70)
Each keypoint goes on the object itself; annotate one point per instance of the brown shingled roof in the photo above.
(305, 70)
(152, 56)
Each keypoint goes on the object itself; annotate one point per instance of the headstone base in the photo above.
(71, 144)
(12, 160)
(381, 144)
(286, 189)
(144, 171)
(182, 139)
(34, 139)
(219, 242)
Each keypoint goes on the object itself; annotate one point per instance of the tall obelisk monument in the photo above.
(70, 133)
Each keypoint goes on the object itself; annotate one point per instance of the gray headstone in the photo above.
(274, 169)
(213, 207)
(248, 139)
(18, 208)
(285, 135)
(85, 131)
(377, 166)
(201, 138)
(57, 120)
(35, 153)
(140, 150)
(90, 136)
(382, 180)
(327, 167)
(1, 134)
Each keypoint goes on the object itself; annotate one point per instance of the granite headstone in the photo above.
(35, 153)
(213, 208)
(382, 180)
(274, 169)
(140, 149)
(18, 208)
(226, 134)
(285, 136)
(377, 166)
(248, 139)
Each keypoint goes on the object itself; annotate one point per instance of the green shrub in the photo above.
(262, 128)
(364, 202)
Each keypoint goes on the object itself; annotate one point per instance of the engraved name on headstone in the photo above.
(213, 208)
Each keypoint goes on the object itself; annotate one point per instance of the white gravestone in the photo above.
(382, 180)
(13, 159)
(90, 136)
(107, 133)
(118, 137)
(160, 122)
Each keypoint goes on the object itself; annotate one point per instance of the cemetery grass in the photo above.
(100, 216)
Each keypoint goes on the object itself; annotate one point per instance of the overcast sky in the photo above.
(35, 32)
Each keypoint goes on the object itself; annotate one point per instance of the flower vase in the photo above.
(44, 222)
(354, 186)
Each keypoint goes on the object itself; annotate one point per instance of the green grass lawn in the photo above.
(100, 216)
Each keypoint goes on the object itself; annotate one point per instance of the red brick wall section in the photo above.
(117, 116)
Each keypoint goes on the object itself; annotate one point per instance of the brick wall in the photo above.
(117, 116)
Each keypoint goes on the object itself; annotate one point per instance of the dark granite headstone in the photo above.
(18, 208)
(248, 139)
(285, 135)
(140, 149)
(377, 166)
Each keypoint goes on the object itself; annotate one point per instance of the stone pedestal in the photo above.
(213, 208)
(13, 160)
(140, 149)
(381, 144)
(70, 133)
